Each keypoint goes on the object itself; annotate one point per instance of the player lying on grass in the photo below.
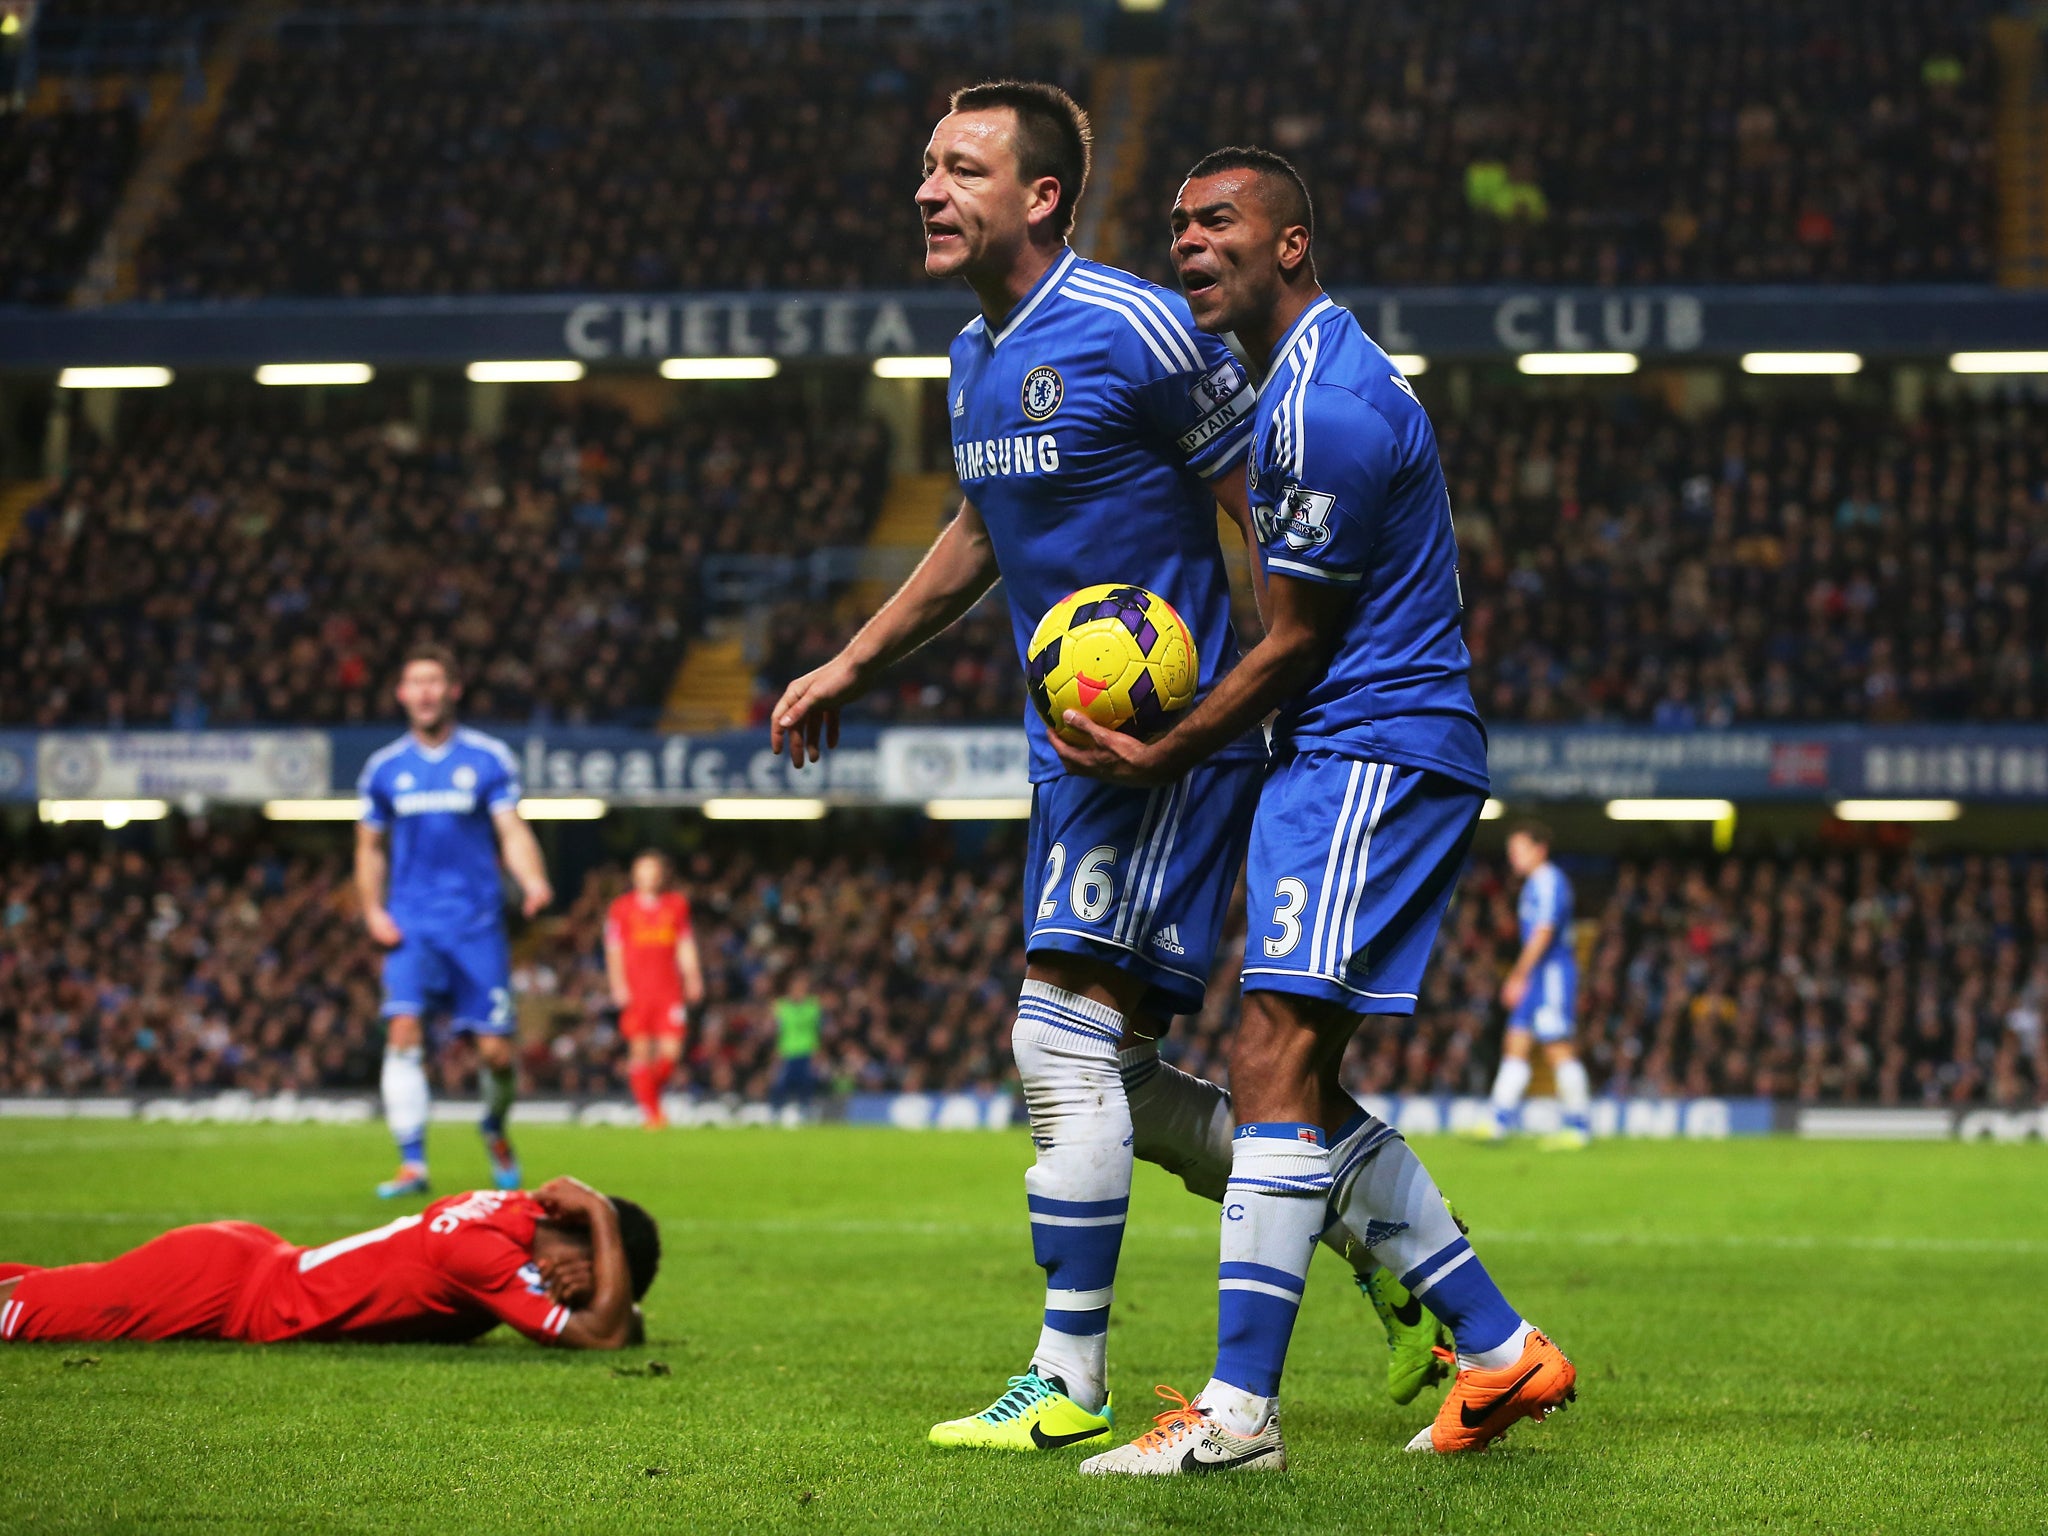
(1095, 430)
(1362, 827)
(563, 1265)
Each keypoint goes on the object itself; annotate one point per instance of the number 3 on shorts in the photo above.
(1094, 886)
(1292, 896)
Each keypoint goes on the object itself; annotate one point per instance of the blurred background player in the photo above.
(440, 805)
(1541, 994)
(651, 960)
(564, 1265)
(799, 1031)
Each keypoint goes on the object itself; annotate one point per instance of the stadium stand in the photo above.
(448, 158)
(225, 960)
(1701, 140)
(231, 565)
(1772, 561)
(60, 176)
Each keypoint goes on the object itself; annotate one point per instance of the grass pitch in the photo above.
(1770, 1335)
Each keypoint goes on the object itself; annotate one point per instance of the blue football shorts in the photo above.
(1549, 1006)
(469, 976)
(1140, 877)
(1352, 864)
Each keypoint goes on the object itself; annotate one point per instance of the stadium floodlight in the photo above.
(719, 368)
(1577, 362)
(1898, 810)
(1670, 810)
(1802, 362)
(1493, 810)
(991, 809)
(1412, 364)
(764, 808)
(565, 370)
(345, 808)
(913, 367)
(114, 378)
(1998, 362)
(562, 807)
(110, 813)
(315, 373)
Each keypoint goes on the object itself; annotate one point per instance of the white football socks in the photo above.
(1510, 1083)
(1574, 1093)
(1183, 1124)
(404, 1084)
(1079, 1190)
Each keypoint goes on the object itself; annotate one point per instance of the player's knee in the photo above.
(1087, 976)
(1276, 1048)
(403, 1032)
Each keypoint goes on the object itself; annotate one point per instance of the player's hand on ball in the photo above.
(382, 928)
(808, 712)
(1105, 754)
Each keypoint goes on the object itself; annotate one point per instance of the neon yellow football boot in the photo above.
(1417, 1343)
(1033, 1414)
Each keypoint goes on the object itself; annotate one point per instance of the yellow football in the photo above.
(1119, 654)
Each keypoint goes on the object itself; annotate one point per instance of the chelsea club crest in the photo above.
(1043, 392)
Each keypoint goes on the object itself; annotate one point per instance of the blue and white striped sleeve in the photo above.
(1544, 888)
(1182, 382)
(1338, 457)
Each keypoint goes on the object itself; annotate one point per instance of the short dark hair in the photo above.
(437, 653)
(641, 1236)
(1289, 198)
(1536, 831)
(1053, 136)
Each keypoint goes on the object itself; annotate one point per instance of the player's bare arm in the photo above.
(1234, 496)
(1305, 624)
(949, 580)
(615, 970)
(691, 965)
(373, 864)
(1516, 986)
(605, 1319)
(521, 851)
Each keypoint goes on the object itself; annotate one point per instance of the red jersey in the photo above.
(456, 1270)
(647, 933)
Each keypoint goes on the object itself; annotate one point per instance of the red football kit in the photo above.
(456, 1270)
(647, 933)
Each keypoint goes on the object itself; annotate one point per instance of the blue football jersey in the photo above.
(435, 806)
(1547, 898)
(1347, 489)
(1085, 433)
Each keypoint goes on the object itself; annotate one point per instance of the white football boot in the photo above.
(1187, 1438)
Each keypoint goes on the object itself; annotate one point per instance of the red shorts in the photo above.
(657, 1018)
(187, 1284)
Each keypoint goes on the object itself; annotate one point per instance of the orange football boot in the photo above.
(1483, 1405)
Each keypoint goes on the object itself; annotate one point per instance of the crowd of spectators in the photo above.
(215, 567)
(1769, 562)
(1622, 562)
(60, 177)
(445, 158)
(221, 960)
(1576, 141)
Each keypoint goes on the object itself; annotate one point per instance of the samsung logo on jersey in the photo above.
(419, 802)
(994, 456)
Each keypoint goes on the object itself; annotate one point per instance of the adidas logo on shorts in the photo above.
(1168, 939)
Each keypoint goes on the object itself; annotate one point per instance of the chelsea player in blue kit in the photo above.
(1377, 779)
(440, 805)
(1094, 431)
(1541, 995)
